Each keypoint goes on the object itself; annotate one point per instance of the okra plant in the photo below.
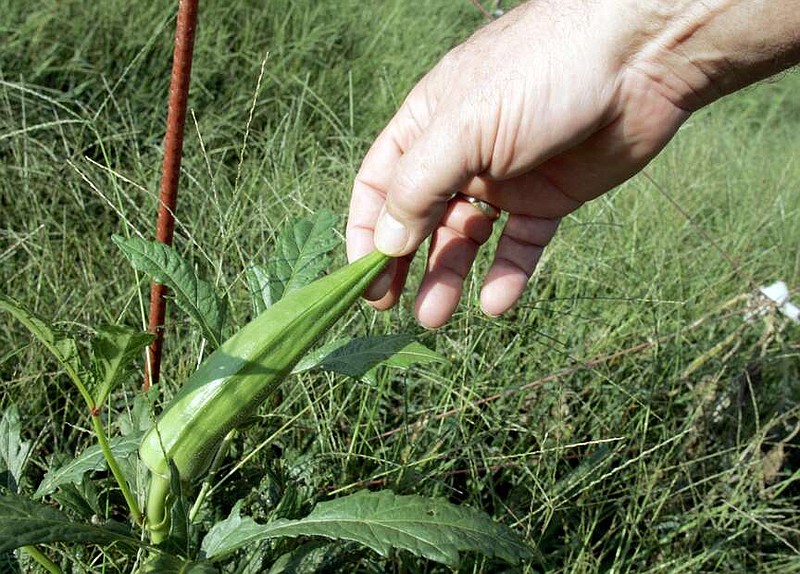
(294, 310)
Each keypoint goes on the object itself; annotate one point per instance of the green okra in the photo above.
(235, 379)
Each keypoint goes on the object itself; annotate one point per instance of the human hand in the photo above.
(536, 114)
(544, 109)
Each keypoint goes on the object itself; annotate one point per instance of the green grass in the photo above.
(623, 417)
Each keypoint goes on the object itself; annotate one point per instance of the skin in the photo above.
(593, 92)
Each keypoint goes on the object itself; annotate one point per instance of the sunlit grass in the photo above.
(623, 416)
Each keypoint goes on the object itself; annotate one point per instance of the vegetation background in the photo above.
(624, 417)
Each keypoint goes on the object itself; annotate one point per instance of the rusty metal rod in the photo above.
(170, 172)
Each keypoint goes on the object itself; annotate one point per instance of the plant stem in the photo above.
(157, 515)
(43, 560)
(115, 469)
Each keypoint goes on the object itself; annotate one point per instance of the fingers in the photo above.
(454, 246)
(368, 196)
(424, 179)
(402, 189)
(384, 293)
(453, 249)
(518, 251)
(369, 192)
(538, 199)
(378, 191)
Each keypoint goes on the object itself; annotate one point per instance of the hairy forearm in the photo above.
(699, 51)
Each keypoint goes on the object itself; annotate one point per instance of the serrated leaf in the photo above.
(82, 499)
(89, 460)
(196, 297)
(258, 284)
(13, 450)
(429, 527)
(61, 346)
(24, 522)
(223, 537)
(114, 348)
(360, 357)
(301, 253)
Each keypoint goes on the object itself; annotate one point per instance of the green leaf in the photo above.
(115, 347)
(197, 298)
(360, 357)
(89, 460)
(168, 564)
(258, 284)
(24, 522)
(139, 416)
(429, 527)
(61, 346)
(178, 539)
(317, 556)
(70, 358)
(82, 499)
(301, 253)
(13, 451)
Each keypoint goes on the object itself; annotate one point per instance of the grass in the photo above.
(623, 417)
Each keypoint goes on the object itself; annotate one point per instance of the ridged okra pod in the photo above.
(235, 379)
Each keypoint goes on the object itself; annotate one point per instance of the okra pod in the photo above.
(235, 379)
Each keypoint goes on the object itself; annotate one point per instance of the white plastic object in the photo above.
(778, 293)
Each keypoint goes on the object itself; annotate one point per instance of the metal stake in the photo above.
(170, 172)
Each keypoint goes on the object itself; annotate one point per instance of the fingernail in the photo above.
(391, 236)
(379, 287)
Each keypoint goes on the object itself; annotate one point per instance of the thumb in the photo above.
(439, 163)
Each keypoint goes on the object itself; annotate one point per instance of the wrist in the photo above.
(698, 51)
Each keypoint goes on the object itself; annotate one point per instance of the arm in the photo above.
(706, 50)
(542, 110)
